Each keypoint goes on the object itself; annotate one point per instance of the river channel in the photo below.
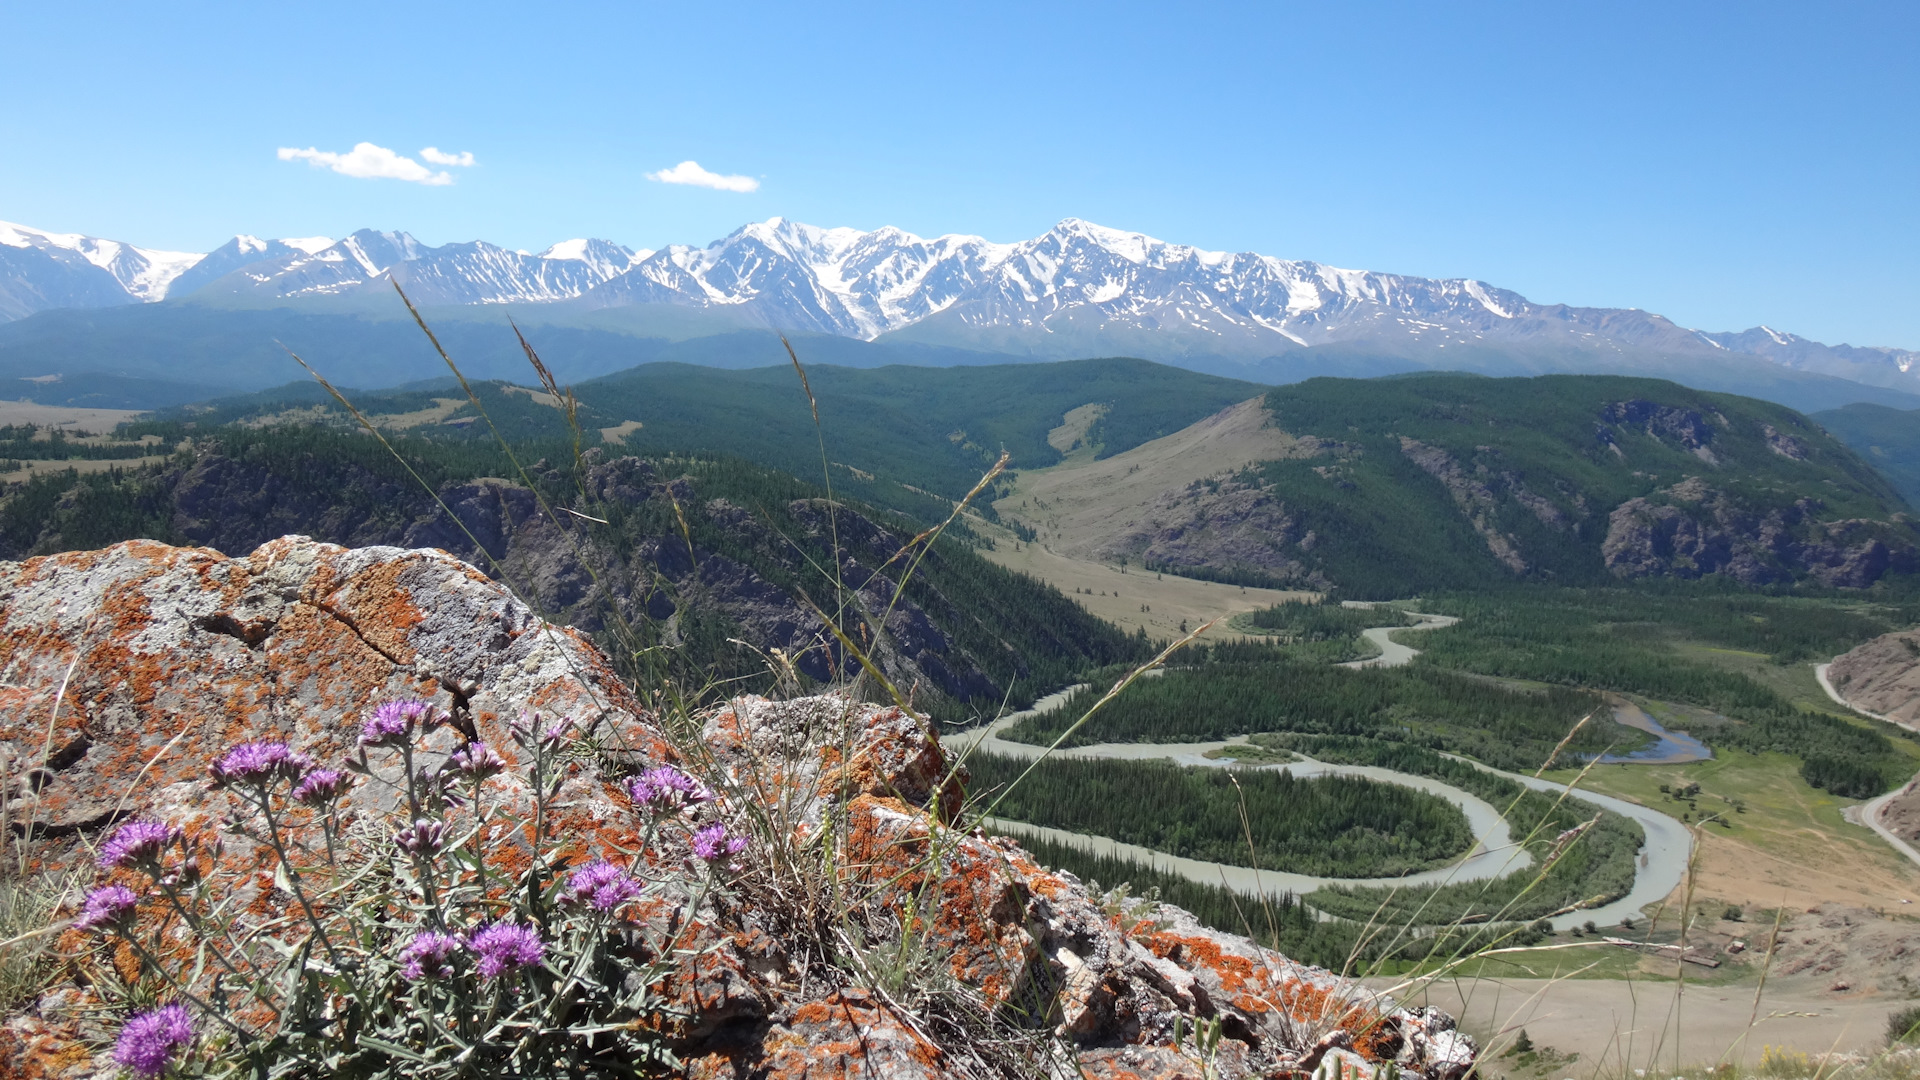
(1663, 860)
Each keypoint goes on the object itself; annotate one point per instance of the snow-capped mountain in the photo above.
(243, 251)
(471, 273)
(40, 269)
(1083, 289)
(1078, 290)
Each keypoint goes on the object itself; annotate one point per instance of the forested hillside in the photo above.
(910, 438)
(1888, 438)
(1404, 485)
(666, 559)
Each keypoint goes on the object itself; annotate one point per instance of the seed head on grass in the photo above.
(151, 1040)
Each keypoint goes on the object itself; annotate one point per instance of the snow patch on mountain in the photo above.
(144, 273)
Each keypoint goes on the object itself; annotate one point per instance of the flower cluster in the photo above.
(430, 955)
(392, 722)
(504, 948)
(601, 885)
(137, 843)
(259, 764)
(150, 1040)
(476, 761)
(475, 916)
(320, 787)
(108, 905)
(665, 790)
(420, 838)
(713, 845)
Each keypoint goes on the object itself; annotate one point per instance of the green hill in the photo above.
(1401, 485)
(1888, 438)
(897, 435)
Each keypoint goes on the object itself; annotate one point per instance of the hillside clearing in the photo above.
(1119, 595)
(1078, 505)
(67, 418)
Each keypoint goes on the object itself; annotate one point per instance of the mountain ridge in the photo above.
(1079, 289)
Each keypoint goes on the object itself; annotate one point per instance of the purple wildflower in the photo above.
(507, 947)
(260, 763)
(602, 885)
(666, 790)
(557, 732)
(476, 760)
(135, 843)
(150, 1040)
(392, 722)
(420, 838)
(713, 844)
(320, 787)
(430, 955)
(107, 906)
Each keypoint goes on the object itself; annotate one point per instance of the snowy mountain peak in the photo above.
(144, 273)
(1079, 289)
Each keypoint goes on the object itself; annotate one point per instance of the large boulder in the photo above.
(127, 669)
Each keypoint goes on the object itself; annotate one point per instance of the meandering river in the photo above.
(1663, 860)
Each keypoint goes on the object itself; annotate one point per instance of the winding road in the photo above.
(1663, 861)
(1868, 813)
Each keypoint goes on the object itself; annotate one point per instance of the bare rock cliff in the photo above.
(1882, 676)
(1693, 529)
(159, 657)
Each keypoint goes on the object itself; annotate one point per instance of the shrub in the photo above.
(434, 924)
(1904, 1026)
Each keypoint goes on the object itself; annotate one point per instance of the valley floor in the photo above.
(1618, 1025)
(1165, 604)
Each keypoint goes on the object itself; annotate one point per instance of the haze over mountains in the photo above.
(1078, 290)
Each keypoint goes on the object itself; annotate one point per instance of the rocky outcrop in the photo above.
(1882, 676)
(737, 581)
(1475, 498)
(1693, 529)
(1688, 429)
(127, 669)
(1220, 523)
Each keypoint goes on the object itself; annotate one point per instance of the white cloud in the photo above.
(463, 159)
(690, 172)
(369, 162)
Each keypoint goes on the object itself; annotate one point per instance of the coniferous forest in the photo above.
(1334, 826)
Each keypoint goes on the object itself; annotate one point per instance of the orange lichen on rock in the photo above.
(177, 653)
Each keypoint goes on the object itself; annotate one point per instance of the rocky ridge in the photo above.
(1693, 529)
(126, 669)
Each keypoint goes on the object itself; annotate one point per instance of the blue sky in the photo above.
(1725, 165)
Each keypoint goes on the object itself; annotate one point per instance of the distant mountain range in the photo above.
(1079, 290)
